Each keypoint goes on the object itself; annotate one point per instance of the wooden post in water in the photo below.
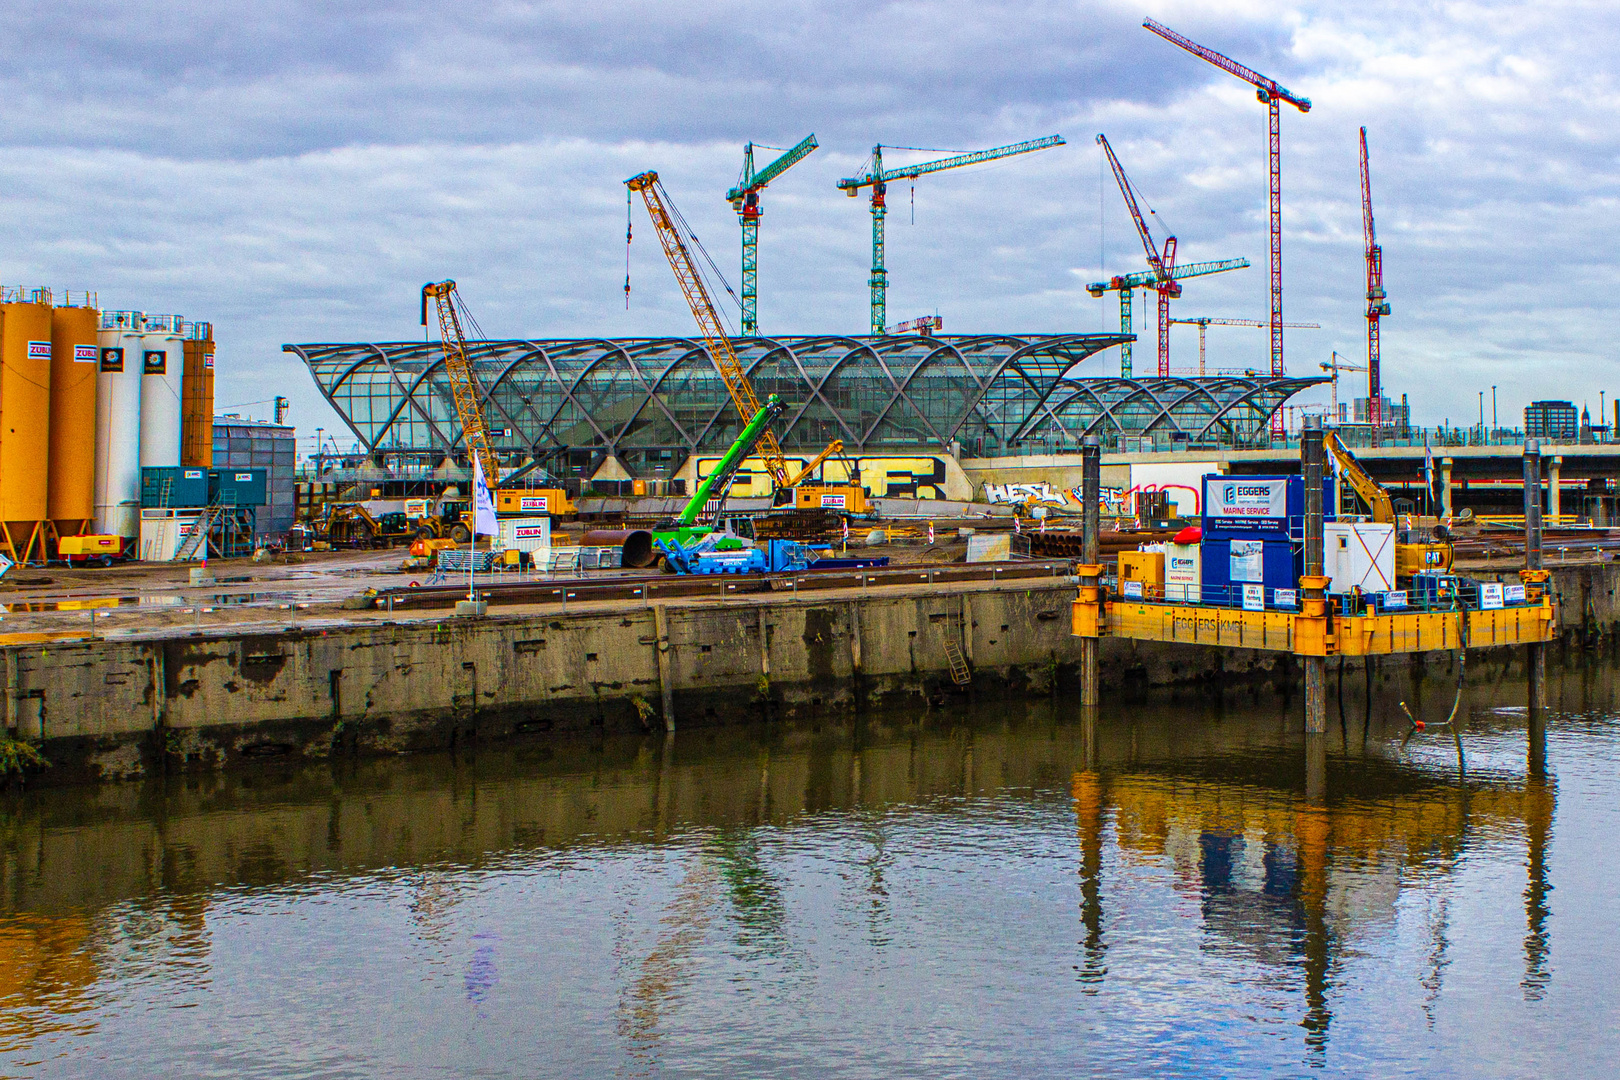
(1311, 456)
(1090, 571)
(1536, 655)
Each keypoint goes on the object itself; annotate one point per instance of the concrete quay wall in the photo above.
(124, 707)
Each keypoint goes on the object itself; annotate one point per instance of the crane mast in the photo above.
(1204, 323)
(877, 178)
(1125, 284)
(744, 198)
(463, 383)
(1271, 95)
(1377, 301)
(1163, 263)
(710, 327)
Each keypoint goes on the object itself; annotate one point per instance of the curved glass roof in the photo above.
(988, 393)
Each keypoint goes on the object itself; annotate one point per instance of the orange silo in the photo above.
(25, 410)
(197, 398)
(71, 487)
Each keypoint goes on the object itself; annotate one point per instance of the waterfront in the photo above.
(972, 890)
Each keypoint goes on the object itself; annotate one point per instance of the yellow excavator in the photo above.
(1424, 557)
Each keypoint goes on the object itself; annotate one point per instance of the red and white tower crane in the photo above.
(1377, 301)
(1163, 261)
(1271, 95)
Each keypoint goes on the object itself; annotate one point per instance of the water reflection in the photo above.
(1202, 850)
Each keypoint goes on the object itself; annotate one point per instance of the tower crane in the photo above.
(1336, 365)
(925, 326)
(1163, 261)
(877, 178)
(1271, 95)
(1125, 284)
(744, 198)
(1204, 324)
(1377, 300)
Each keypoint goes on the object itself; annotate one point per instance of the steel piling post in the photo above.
(1090, 571)
(1536, 654)
(1311, 454)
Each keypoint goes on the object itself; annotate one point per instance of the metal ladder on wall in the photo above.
(961, 674)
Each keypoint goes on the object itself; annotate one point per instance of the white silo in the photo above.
(118, 424)
(162, 356)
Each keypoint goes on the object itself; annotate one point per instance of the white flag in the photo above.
(483, 503)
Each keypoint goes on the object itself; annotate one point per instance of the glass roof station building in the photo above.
(567, 405)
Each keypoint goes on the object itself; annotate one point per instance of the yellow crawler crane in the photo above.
(458, 365)
(664, 217)
(713, 331)
(1432, 558)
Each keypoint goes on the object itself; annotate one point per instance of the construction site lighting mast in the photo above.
(1125, 284)
(1163, 262)
(1204, 324)
(744, 198)
(877, 178)
(1377, 301)
(463, 385)
(1271, 95)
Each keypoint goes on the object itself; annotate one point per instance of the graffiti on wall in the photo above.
(1040, 493)
(883, 477)
(1117, 501)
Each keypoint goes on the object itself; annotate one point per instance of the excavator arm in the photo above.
(1376, 498)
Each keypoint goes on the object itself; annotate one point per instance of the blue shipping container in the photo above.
(1229, 564)
(238, 486)
(173, 486)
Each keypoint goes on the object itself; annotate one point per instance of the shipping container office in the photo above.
(1254, 534)
(173, 486)
(238, 487)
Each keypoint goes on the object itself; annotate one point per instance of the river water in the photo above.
(986, 889)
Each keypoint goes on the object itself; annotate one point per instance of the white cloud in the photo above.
(295, 171)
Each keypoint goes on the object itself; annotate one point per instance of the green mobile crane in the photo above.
(639, 548)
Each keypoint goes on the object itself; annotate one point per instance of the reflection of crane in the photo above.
(1124, 284)
(1336, 365)
(1163, 262)
(925, 326)
(458, 365)
(744, 198)
(1271, 95)
(1377, 302)
(877, 178)
(1204, 324)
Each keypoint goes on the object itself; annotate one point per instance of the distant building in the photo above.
(245, 444)
(1394, 415)
(1556, 421)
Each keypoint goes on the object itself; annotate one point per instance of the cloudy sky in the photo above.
(294, 171)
